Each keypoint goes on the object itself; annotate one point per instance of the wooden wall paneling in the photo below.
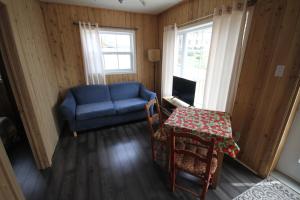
(261, 45)
(9, 188)
(280, 56)
(286, 52)
(195, 8)
(64, 41)
(31, 66)
(268, 98)
(8, 53)
(264, 101)
(43, 79)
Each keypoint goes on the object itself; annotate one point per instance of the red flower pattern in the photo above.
(207, 124)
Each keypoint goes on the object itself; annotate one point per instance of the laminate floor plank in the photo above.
(134, 156)
(57, 171)
(69, 170)
(81, 186)
(119, 185)
(105, 173)
(93, 169)
(126, 159)
(115, 163)
(147, 164)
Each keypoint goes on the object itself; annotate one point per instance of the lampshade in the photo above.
(154, 55)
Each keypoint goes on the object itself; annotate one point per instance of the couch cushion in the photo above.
(129, 105)
(94, 110)
(91, 94)
(119, 91)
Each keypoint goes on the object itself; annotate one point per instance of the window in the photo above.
(192, 57)
(118, 48)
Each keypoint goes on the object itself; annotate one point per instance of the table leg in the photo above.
(218, 170)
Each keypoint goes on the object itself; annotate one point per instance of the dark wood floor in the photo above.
(115, 163)
(32, 181)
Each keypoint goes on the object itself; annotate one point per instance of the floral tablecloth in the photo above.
(206, 124)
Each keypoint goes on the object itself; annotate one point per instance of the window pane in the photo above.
(125, 62)
(118, 50)
(180, 49)
(110, 62)
(198, 43)
(123, 43)
(108, 42)
(193, 52)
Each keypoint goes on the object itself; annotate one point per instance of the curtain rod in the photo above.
(195, 20)
(249, 4)
(127, 28)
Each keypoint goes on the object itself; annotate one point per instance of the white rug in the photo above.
(269, 189)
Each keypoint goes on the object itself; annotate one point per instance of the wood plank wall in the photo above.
(33, 71)
(263, 101)
(64, 40)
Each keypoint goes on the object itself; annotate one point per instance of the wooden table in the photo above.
(207, 124)
(170, 103)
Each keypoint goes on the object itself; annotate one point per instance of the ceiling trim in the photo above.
(132, 8)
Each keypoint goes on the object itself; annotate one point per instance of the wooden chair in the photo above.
(191, 154)
(157, 131)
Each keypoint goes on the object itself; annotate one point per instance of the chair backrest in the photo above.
(87, 94)
(125, 90)
(153, 114)
(189, 139)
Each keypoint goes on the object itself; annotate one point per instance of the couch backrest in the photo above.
(119, 91)
(91, 94)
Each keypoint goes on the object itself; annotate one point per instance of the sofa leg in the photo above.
(75, 134)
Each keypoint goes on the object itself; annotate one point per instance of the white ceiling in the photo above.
(152, 6)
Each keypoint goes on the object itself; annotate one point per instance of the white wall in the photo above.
(288, 162)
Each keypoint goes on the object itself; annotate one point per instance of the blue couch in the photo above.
(95, 106)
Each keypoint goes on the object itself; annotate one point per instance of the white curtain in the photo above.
(225, 57)
(92, 54)
(168, 60)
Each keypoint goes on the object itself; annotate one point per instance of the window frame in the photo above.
(190, 28)
(181, 66)
(132, 53)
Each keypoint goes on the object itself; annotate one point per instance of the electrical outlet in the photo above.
(279, 70)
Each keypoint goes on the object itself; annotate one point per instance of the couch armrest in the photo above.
(68, 107)
(147, 94)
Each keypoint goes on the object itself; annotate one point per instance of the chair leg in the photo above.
(169, 157)
(75, 134)
(169, 162)
(205, 189)
(173, 179)
(152, 149)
